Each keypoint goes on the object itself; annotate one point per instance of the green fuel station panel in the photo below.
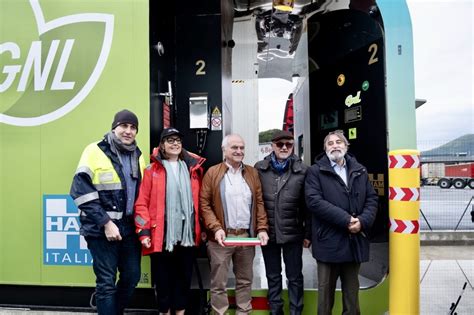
(67, 68)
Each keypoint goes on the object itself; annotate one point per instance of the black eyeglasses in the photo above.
(173, 140)
(288, 145)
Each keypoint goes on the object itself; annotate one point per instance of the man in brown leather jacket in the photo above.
(232, 205)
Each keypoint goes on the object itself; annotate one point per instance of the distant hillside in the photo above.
(266, 136)
(460, 146)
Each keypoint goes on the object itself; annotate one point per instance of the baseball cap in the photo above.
(169, 132)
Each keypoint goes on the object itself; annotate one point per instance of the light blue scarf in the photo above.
(179, 207)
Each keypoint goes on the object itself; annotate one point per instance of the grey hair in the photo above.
(225, 141)
(338, 133)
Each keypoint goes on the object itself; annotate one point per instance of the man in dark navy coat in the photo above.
(343, 205)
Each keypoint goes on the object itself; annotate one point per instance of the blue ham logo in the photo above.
(63, 245)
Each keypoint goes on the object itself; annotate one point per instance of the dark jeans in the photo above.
(124, 256)
(327, 278)
(171, 272)
(292, 256)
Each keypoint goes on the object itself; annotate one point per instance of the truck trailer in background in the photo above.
(431, 173)
(446, 175)
(458, 175)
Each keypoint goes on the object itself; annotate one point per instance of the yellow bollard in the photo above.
(404, 237)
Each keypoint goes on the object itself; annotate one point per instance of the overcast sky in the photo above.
(443, 52)
(443, 45)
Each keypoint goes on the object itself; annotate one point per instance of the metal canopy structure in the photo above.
(279, 32)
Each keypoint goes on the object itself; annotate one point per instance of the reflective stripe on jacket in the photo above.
(98, 187)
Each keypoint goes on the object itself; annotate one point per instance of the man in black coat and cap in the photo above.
(282, 175)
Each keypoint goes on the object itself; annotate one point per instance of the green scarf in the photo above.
(179, 207)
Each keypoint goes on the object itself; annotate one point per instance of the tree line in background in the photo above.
(266, 136)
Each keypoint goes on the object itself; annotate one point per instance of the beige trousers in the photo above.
(242, 259)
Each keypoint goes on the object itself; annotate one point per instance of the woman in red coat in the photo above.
(167, 218)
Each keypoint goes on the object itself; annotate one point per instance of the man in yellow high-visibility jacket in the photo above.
(104, 189)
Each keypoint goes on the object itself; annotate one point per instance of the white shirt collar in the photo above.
(233, 170)
(334, 164)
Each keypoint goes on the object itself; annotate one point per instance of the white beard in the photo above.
(336, 156)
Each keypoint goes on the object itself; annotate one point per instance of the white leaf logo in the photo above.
(44, 27)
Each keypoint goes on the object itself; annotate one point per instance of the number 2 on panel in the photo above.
(373, 58)
(201, 65)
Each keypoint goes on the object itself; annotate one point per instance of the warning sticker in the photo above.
(216, 119)
(216, 112)
(352, 133)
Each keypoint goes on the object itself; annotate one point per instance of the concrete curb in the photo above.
(441, 238)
